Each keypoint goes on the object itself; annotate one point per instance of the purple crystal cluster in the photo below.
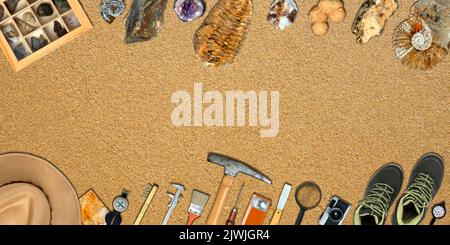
(188, 10)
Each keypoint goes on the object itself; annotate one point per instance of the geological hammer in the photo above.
(232, 168)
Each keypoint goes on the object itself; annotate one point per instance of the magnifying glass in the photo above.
(438, 212)
(308, 196)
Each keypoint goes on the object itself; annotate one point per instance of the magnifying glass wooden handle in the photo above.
(300, 216)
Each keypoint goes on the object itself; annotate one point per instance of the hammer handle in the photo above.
(219, 203)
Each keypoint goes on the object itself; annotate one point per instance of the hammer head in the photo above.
(233, 167)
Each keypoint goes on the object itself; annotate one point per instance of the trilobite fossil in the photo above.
(218, 39)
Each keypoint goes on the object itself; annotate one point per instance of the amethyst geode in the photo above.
(188, 10)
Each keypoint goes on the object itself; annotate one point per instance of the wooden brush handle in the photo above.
(276, 217)
(221, 197)
(191, 218)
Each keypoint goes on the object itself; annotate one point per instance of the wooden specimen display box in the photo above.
(31, 29)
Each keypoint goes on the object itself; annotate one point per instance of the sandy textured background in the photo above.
(100, 111)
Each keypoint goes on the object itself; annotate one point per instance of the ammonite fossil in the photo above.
(414, 44)
(218, 39)
(371, 18)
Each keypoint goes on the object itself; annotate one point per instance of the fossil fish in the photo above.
(371, 18)
(145, 20)
(415, 44)
(219, 37)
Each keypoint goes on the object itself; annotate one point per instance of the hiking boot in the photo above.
(381, 192)
(424, 183)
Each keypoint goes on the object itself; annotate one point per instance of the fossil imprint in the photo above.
(218, 39)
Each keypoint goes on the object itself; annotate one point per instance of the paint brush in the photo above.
(198, 203)
(149, 193)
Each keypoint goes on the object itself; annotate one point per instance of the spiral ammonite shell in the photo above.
(414, 44)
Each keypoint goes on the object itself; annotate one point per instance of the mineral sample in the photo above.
(219, 37)
(111, 9)
(59, 29)
(282, 13)
(25, 27)
(145, 20)
(19, 51)
(11, 5)
(2, 12)
(44, 9)
(38, 43)
(62, 5)
(29, 18)
(11, 35)
(371, 18)
(188, 10)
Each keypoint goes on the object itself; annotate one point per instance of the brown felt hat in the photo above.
(34, 191)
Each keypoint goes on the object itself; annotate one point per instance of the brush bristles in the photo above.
(147, 190)
(199, 198)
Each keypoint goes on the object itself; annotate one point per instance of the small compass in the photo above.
(120, 205)
(438, 212)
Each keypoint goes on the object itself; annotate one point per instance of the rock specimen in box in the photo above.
(282, 13)
(59, 29)
(62, 5)
(11, 35)
(189, 10)
(44, 9)
(11, 5)
(38, 42)
(72, 21)
(371, 18)
(423, 40)
(145, 20)
(19, 51)
(111, 9)
(219, 37)
(24, 26)
(30, 19)
(2, 12)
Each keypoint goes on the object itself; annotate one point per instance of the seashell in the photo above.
(219, 37)
(414, 44)
(145, 20)
(371, 18)
(436, 14)
(282, 13)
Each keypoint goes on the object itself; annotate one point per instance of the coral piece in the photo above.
(145, 20)
(371, 18)
(218, 39)
(415, 46)
(323, 11)
(282, 13)
(189, 10)
(111, 9)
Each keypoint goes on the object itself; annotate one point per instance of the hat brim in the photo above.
(63, 200)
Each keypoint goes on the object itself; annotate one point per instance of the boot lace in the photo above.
(421, 190)
(379, 198)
